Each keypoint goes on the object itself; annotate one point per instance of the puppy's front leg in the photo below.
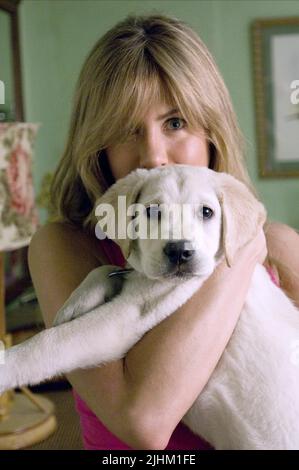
(96, 289)
(104, 335)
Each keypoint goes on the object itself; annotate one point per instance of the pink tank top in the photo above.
(95, 435)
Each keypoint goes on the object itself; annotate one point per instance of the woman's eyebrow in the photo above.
(169, 113)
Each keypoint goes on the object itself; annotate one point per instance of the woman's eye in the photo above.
(153, 212)
(176, 123)
(207, 213)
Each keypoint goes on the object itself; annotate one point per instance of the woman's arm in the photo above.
(142, 398)
(59, 258)
(168, 369)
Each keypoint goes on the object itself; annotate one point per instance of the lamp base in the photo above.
(27, 422)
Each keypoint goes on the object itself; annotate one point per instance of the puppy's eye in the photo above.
(153, 212)
(207, 213)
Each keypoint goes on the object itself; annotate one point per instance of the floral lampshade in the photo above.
(18, 214)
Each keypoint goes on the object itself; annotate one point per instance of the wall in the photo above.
(6, 63)
(57, 35)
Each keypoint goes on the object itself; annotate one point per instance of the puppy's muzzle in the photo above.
(179, 252)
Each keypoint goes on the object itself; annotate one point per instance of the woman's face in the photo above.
(163, 138)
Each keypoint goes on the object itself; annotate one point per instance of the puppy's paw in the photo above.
(64, 315)
(95, 290)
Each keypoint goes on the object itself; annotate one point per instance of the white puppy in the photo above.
(252, 398)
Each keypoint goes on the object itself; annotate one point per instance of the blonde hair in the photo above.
(140, 60)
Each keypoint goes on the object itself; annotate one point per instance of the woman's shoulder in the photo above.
(64, 235)
(62, 229)
(279, 230)
(282, 240)
(283, 249)
(59, 258)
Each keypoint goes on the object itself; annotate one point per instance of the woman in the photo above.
(149, 94)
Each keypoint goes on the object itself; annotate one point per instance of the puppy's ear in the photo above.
(129, 188)
(242, 214)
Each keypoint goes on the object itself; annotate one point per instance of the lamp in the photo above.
(25, 418)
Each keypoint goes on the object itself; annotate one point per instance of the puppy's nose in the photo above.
(179, 252)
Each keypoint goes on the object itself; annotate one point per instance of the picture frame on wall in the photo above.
(275, 44)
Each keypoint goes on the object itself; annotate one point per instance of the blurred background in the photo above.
(56, 35)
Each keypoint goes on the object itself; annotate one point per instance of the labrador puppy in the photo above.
(252, 398)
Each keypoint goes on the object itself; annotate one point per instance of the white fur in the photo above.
(252, 399)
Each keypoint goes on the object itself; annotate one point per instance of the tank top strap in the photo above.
(273, 275)
(112, 252)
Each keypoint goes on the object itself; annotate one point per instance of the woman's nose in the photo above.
(152, 152)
